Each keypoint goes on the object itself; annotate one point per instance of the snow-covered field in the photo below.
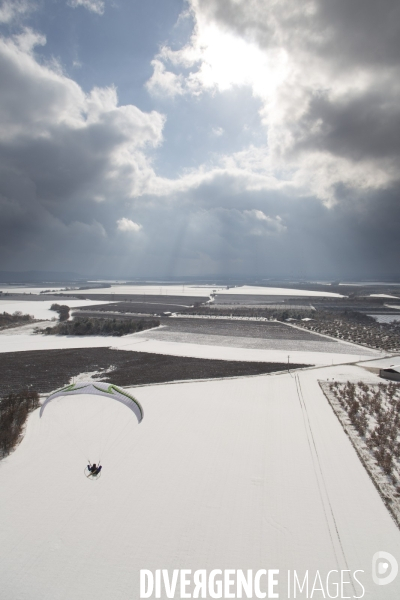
(22, 338)
(382, 363)
(247, 473)
(241, 474)
(41, 309)
(318, 344)
(385, 318)
(383, 296)
(269, 291)
(192, 290)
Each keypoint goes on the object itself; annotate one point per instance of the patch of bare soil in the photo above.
(46, 370)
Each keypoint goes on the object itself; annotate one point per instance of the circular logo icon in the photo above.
(384, 568)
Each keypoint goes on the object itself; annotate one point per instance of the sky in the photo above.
(171, 138)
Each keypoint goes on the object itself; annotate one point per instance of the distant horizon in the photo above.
(43, 277)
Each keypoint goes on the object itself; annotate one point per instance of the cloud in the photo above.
(313, 193)
(67, 158)
(326, 75)
(164, 82)
(217, 131)
(13, 10)
(125, 224)
(264, 224)
(43, 107)
(96, 6)
(216, 60)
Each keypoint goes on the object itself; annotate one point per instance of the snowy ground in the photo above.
(319, 350)
(242, 474)
(269, 291)
(206, 290)
(22, 338)
(383, 296)
(382, 363)
(250, 473)
(317, 344)
(385, 318)
(41, 310)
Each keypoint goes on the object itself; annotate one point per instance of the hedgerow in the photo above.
(93, 326)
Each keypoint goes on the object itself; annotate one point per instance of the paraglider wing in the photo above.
(98, 388)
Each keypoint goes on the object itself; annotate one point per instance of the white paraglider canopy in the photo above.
(98, 388)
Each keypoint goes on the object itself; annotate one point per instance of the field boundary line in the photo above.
(339, 341)
(316, 460)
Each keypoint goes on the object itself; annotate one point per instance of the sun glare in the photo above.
(229, 61)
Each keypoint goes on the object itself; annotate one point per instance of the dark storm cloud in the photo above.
(346, 59)
(358, 126)
(364, 31)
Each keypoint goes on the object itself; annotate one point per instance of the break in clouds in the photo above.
(313, 192)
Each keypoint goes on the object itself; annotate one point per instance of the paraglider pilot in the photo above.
(97, 388)
(94, 469)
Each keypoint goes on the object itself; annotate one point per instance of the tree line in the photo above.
(17, 318)
(14, 410)
(62, 310)
(95, 326)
